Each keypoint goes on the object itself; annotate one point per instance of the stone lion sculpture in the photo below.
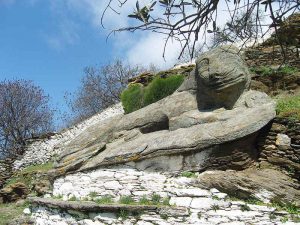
(211, 121)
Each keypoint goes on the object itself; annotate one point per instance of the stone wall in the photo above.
(5, 170)
(279, 144)
(272, 56)
(189, 203)
(201, 212)
(41, 151)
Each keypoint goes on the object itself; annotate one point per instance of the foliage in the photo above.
(288, 70)
(166, 201)
(191, 22)
(188, 174)
(289, 107)
(136, 96)
(100, 88)
(245, 207)
(123, 214)
(240, 27)
(262, 70)
(24, 113)
(11, 211)
(27, 175)
(127, 200)
(144, 201)
(73, 198)
(268, 71)
(161, 87)
(107, 199)
(156, 199)
(215, 207)
(132, 98)
(93, 194)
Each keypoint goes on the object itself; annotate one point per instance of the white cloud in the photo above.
(67, 35)
(137, 48)
(149, 48)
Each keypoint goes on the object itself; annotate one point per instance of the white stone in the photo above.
(264, 195)
(234, 214)
(261, 208)
(67, 187)
(143, 223)
(220, 195)
(184, 181)
(181, 201)
(141, 193)
(191, 192)
(202, 203)
(214, 191)
(283, 140)
(90, 222)
(113, 185)
(27, 211)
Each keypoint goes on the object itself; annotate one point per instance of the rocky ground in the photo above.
(171, 198)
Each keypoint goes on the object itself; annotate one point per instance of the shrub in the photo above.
(136, 96)
(262, 70)
(161, 87)
(267, 71)
(127, 200)
(289, 107)
(123, 214)
(156, 198)
(287, 70)
(188, 174)
(144, 201)
(107, 199)
(132, 98)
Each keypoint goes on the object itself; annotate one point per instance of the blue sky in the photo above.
(39, 44)
(51, 41)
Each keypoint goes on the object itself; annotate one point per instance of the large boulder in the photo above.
(264, 184)
(211, 121)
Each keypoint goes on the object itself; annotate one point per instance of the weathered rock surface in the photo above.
(222, 77)
(212, 108)
(265, 184)
(13, 192)
(88, 206)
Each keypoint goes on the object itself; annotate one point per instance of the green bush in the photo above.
(161, 87)
(136, 96)
(126, 200)
(267, 71)
(289, 107)
(287, 70)
(262, 70)
(132, 98)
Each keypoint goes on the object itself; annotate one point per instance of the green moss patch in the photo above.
(136, 96)
(289, 107)
(8, 212)
(269, 71)
(27, 175)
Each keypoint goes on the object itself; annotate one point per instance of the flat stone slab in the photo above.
(88, 206)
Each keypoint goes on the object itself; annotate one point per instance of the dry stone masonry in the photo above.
(43, 150)
(189, 203)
